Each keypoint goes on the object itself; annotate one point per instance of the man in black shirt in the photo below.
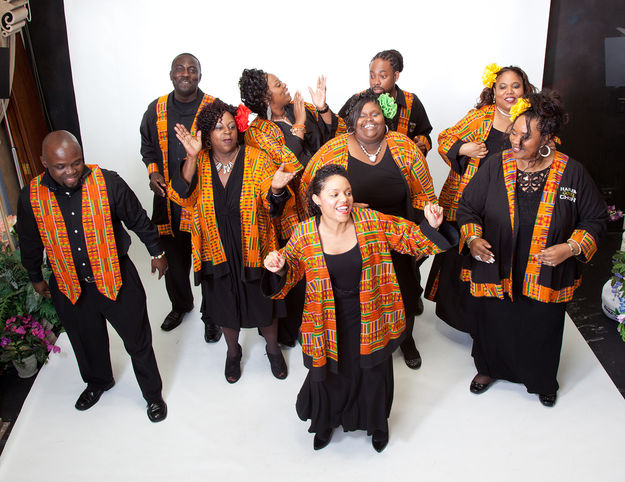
(163, 155)
(75, 212)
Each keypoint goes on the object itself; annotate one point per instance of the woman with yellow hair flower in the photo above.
(464, 148)
(530, 217)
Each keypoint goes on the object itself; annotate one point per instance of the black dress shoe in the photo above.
(90, 396)
(379, 440)
(548, 400)
(172, 320)
(157, 411)
(233, 366)
(212, 333)
(478, 388)
(322, 439)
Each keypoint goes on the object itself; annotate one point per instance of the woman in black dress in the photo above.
(529, 217)
(353, 316)
(290, 131)
(223, 181)
(465, 147)
(388, 173)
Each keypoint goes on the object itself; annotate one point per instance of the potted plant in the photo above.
(27, 319)
(613, 295)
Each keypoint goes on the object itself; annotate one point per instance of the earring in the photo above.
(387, 129)
(540, 151)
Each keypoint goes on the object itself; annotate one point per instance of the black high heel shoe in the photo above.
(278, 365)
(379, 440)
(233, 366)
(322, 439)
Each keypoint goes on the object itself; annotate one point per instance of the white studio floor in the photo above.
(215, 431)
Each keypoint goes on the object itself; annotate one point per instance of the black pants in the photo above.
(85, 324)
(178, 251)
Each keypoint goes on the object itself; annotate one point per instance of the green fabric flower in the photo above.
(388, 105)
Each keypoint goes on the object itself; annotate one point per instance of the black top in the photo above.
(317, 134)
(382, 186)
(124, 207)
(177, 113)
(418, 122)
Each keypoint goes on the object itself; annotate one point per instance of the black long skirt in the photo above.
(520, 341)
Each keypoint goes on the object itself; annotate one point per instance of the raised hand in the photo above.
(280, 179)
(275, 262)
(319, 95)
(298, 108)
(191, 144)
(434, 214)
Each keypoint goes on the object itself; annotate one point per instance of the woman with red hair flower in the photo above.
(224, 183)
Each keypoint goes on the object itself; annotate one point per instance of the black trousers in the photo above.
(85, 324)
(178, 251)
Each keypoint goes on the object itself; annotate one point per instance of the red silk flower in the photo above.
(242, 118)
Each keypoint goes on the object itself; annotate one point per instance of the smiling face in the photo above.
(279, 94)
(525, 149)
(335, 199)
(185, 75)
(507, 89)
(370, 127)
(223, 137)
(381, 76)
(64, 162)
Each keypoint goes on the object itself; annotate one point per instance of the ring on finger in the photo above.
(478, 257)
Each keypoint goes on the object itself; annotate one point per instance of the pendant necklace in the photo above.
(372, 157)
(227, 167)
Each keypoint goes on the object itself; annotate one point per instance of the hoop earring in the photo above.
(386, 129)
(548, 151)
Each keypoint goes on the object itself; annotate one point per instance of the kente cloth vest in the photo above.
(99, 236)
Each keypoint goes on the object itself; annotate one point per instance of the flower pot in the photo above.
(27, 368)
(611, 303)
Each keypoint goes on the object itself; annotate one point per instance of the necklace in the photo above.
(372, 157)
(227, 167)
(502, 112)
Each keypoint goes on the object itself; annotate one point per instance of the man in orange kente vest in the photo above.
(163, 156)
(75, 212)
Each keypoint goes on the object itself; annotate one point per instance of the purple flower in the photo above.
(4, 341)
(20, 330)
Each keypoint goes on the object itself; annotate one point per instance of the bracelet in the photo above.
(297, 127)
(570, 242)
(469, 239)
(159, 256)
(323, 111)
(279, 194)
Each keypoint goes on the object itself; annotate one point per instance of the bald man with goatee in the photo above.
(75, 212)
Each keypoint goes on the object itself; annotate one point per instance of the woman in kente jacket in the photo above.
(464, 147)
(388, 173)
(353, 315)
(225, 184)
(290, 131)
(530, 217)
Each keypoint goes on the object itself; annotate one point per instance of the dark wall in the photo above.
(46, 38)
(575, 66)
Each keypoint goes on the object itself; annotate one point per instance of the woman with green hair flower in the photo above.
(388, 173)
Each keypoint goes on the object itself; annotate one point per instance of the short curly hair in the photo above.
(487, 96)
(209, 116)
(354, 108)
(548, 108)
(255, 91)
(393, 56)
(318, 182)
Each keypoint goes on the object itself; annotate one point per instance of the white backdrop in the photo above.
(121, 52)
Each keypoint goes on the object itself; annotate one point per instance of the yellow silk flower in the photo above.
(490, 74)
(520, 106)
